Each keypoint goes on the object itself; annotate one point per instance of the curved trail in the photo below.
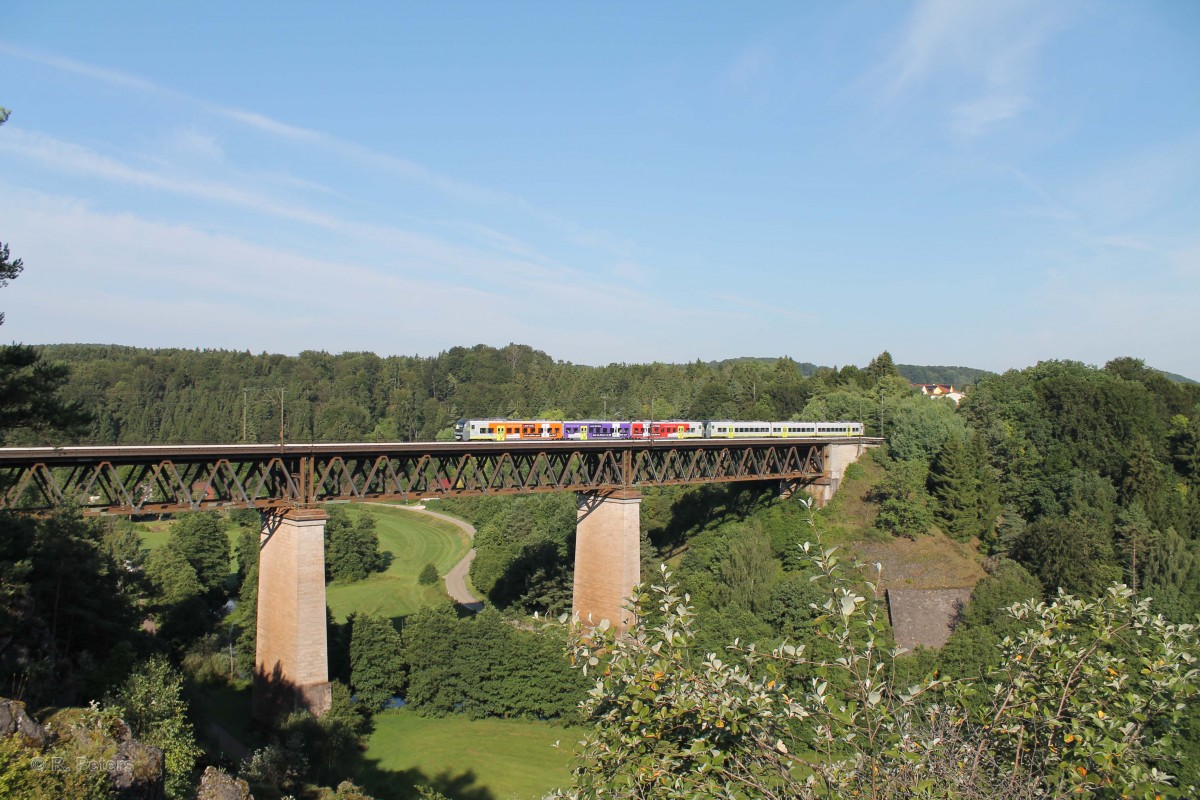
(456, 578)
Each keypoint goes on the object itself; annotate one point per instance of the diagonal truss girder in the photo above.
(123, 480)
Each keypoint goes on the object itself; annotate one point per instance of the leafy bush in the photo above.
(151, 703)
(1080, 703)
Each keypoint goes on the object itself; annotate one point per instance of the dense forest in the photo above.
(1061, 476)
(142, 396)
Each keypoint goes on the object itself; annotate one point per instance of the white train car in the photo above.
(737, 429)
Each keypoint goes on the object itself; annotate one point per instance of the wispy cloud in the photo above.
(191, 142)
(394, 165)
(103, 74)
(976, 56)
(265, 124)
(1149, 180)
(749, 69)
(76, 160)
(933, 30)
(196, 288)
(977, 116)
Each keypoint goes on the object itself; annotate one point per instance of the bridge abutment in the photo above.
(607, 555)
(838, 457)
(291, 667)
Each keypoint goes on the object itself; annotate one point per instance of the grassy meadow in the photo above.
(485, 759)
(154, 534)
(488, 759)
(413, 540)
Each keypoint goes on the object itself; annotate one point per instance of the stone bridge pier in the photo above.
(291, 665)
(608, 537)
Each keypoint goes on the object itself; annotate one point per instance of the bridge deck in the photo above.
(161, 478)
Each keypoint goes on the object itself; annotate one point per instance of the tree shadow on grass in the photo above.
(387, 784)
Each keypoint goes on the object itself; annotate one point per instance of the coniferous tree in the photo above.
(1135, 535)
(988, 492)
(1172, 576)
(1068, 553)
(954, 483)
(1185, 446)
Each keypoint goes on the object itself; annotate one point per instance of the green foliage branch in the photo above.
(1080, 703)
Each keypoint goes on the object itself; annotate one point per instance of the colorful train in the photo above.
(499, 430)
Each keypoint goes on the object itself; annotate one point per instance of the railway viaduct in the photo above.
(290, 483)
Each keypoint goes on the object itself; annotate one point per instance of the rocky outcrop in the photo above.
(14, 721)
(76, 742)
(217, 784)
(93, 740)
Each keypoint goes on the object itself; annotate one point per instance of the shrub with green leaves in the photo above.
(151, 703)
(1081, 702)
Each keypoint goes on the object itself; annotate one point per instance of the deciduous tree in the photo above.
(202, 540)
(352, 548)
(376, 660)
(151, 703)
(903, 502)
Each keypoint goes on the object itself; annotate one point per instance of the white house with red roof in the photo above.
(939, 390)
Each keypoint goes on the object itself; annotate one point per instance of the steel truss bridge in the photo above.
(156, 479)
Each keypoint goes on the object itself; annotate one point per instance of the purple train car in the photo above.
(585, 429)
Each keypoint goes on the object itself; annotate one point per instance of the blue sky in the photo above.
(984, 184)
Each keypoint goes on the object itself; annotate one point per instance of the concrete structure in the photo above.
(837, 458)
(607, 555)
(925, 617)
(291, 662)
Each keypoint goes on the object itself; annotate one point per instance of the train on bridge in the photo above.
(500, 430)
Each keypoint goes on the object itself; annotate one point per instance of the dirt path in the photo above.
(456, 578)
